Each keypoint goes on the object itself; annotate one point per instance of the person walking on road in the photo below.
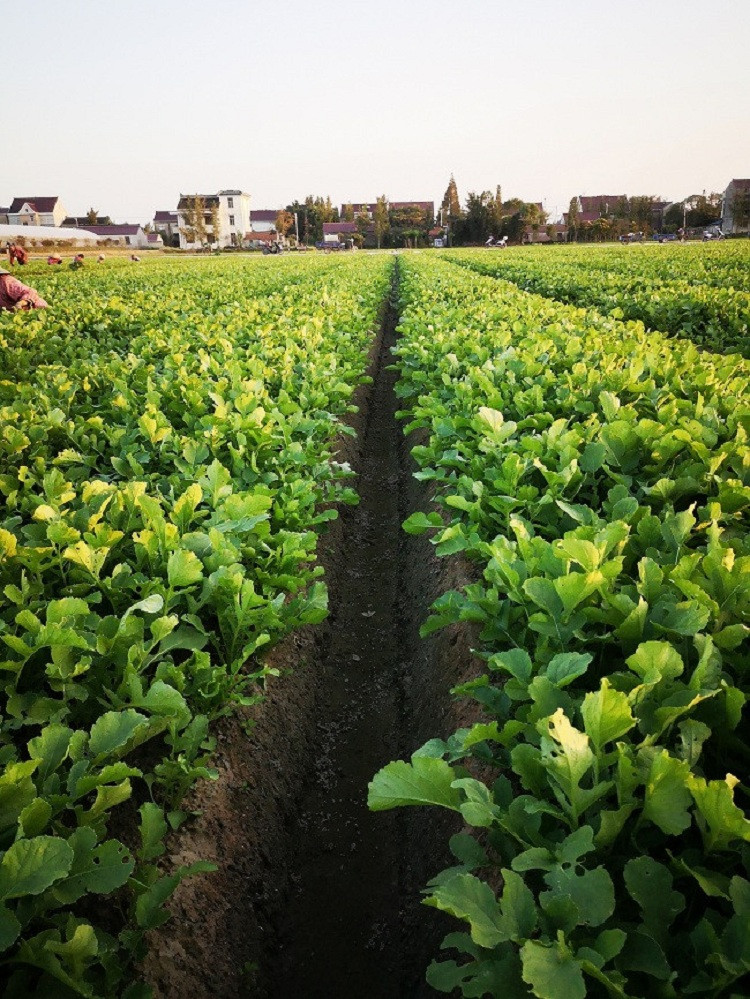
(16, 296)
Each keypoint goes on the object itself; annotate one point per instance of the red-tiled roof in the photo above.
(588, 216)
(112, 230)
(261, 237)
(165, 217)
(264, 214)
(332, 228)
(38, 204)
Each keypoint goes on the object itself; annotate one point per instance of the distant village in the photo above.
(228, 220)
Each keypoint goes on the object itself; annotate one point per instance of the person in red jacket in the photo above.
(16, 296)
(17, 254)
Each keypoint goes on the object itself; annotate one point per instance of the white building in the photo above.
(166, 224)
(36, 211)
(232, 209)
(127, 235)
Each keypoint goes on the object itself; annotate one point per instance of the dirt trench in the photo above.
(316, 896)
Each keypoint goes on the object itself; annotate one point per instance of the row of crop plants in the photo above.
(668, 288)
(166, 464)
(598, 478)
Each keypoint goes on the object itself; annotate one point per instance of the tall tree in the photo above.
(363, 222)
(348, 212)
(451, 205)
(381, 218)
(573, 219)
(284, 222)
(194, 213)
(312, 213)
(215, 223)
(92, 215)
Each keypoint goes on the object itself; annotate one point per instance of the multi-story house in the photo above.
(36, 211)
(167, 226)
(230, 208)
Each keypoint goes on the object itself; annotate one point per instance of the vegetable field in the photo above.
(171, 457)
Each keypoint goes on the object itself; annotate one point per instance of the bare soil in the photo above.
(315, 896)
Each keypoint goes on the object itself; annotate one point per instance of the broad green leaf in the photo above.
(667, 794)
(468, 898)
(17, 791)
(184, 568)
(606, 715)
(576, 845)
(491, 418)
(592, 891)
(655, 661)
(420, 522)
(693, 735)
(576, 587)
(519, 914)
(517, 662)
(149, 605)
(113, 730)
(35, 817)
(552, 971)
(644, 954)
(424, 781)
(153, 831)
(650, 884)
(566, 667)
(569, 757)
(50, 748)
(724, 821)
(10, 928)
(29, 866)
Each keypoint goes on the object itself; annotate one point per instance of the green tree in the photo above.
(450, 205)
(408, 226)
(194, 214)
(381, 220)
(496, 212)
(573, 219)
(92, 215)
(347, 214)
(215, 223)
(312, 213)
(363, 222)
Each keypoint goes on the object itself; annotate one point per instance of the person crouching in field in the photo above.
(54, 259)
(16, 296)
(17, 254)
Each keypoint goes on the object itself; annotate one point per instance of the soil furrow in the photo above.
(315, 896)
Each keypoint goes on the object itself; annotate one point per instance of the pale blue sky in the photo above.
(127, 103)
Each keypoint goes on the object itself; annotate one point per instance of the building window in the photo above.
(230, 203)
(231, 218)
